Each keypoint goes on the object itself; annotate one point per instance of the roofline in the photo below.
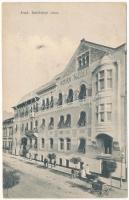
(101, 45)
(10, 118)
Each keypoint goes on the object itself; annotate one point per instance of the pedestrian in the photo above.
(45, 162)
(73, 173)
(54, 163)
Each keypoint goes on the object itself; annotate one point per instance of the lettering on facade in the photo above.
(75, 76)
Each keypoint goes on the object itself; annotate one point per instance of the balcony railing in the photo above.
(32, 113)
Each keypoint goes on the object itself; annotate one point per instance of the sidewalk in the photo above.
(67, 172)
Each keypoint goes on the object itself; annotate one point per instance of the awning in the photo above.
(105, 156)
(36, 135)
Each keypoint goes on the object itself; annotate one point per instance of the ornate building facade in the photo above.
(80, 113)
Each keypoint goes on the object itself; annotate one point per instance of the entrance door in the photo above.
(105, 143)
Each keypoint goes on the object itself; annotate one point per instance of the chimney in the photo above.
(82, 40)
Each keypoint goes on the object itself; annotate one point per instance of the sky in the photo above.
(40, 38)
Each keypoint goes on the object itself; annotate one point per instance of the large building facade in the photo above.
(80, 113)
(8, 134)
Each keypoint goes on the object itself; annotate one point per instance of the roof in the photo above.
(27, 97)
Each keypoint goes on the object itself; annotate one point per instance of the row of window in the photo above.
(61, 124)
(49, 103)
(8, 132)
(104, 80)
(83, 60)
(104, 112)
(65, 144)
(61, 144)
(7, 144)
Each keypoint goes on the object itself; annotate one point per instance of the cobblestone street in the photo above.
(37, 182)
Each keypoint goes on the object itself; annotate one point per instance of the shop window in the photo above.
(68, 144)
(51, 124)
(61, 122)
(68, 121)
(82, 119)
(60, 99)
(82, 93)
(51, 143)
(70, 96)
(61, 144)
(43, 143)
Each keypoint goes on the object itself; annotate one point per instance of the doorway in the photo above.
(105, 143)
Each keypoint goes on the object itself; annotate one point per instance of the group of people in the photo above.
(46, 162)
(84, 172)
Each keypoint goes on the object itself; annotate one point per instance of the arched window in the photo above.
(82, 145)
(61, 143)
(31, 125)
(43, 123)
(68, 144)
(51, 143)
(82, 93)
(68, 121)
(22, 128)
(36, 107)
(36, 124)
(82, 119)
(47, 103)
(43, 143)
(43, 104)
(51, 124)
(60, 99)
(16, 128)
(61, 122)
(70, 96)
(51, 102)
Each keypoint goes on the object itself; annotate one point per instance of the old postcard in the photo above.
(64, 100)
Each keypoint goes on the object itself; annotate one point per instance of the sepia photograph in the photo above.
(64, 105)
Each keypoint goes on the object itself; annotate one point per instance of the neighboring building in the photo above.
(80, 113)
(8, 134)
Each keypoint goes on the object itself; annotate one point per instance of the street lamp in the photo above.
(122, 156)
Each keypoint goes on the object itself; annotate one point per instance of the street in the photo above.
(37, 182)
